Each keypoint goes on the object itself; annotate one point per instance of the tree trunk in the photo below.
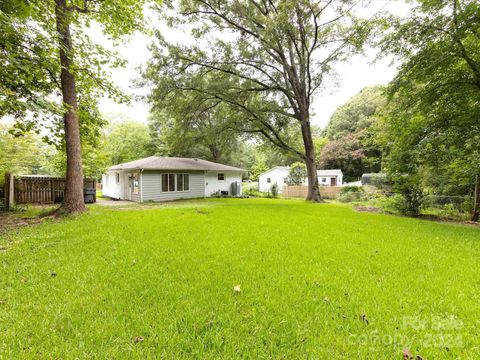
(73, 199)
(476, 199)
(313, 187)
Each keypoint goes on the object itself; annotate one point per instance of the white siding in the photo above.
(110, 186)
(276, 175)
(213, 185)
(151, 185)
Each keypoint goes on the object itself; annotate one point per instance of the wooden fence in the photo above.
(301, 191)
(37, 189)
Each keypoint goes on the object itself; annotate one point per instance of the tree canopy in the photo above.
(265, 60)
(351, 135)
(432, 129)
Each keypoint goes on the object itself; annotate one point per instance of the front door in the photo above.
(333, 181)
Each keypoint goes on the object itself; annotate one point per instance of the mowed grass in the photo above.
(317, 281)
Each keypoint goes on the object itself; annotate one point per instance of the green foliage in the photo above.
(352, 144)
(357, 114)
(258, 168)
(127, 140)
(30, 69)
(351, 189)
(431, 127)
(274, 190)
(351, 196)
(23, 155)
(411, 200)
(297, 174)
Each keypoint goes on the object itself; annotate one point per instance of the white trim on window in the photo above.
(219, 175)
(174, 178)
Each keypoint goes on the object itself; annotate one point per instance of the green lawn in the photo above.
(317, 281)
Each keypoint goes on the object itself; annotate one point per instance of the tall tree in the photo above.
(72, 67)
(352, 131)
(433, 125)
(268, 60)
(186, 124)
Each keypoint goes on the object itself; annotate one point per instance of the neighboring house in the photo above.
(279, 175)
(170, 178)
(331, 177)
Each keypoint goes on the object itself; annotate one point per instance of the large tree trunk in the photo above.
(476, 199)
(313, 186)
(73, 199)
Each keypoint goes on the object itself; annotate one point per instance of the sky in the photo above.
(360, 71)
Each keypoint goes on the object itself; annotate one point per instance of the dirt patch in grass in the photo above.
(371, 209)
(33, 215)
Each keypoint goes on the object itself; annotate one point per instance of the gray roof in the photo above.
(331, 172)
(173, 163)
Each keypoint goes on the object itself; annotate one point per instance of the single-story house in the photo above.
(332, 177)
(279, 175)
(158, 178)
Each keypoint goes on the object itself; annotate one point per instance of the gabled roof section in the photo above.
(173, 163)
(330, 172)
(275, 168)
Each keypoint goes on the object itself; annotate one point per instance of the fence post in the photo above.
(9, 191)
(52, 191)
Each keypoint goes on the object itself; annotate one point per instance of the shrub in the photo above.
(351, 189)
(412, 198)
(274, 190)
(351, 196)
(252, 192)
(391, 204)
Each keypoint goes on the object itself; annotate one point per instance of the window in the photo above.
(117, 178)
(182, 182)
(135, 183)
(269, 180)
(168, 182)
(324, 180)
(171, 182)
(221, 177)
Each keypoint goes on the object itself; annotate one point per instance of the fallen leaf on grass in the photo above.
(52, 273)
(236, 288)
(138, 339)
(407, 354)
(363, 317)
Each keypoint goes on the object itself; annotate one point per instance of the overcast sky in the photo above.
(359, 72)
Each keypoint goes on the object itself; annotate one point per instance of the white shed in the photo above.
(332, 177)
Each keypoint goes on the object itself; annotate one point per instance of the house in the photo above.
(279, 175)
(332, 177)
(158, 178)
